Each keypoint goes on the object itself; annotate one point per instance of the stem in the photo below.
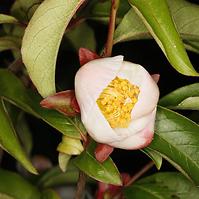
(111, 28)
(16, 65)
(1, 155)
(80, 185)
(75, 23)
(140, 173)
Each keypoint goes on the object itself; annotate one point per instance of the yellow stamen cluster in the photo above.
(117, 101)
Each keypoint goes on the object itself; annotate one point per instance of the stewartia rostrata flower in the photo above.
(118, 102)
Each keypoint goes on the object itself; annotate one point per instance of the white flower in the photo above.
(110, 112)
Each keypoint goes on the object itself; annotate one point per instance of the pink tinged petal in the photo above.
(134, 127)
(149, 92)
(90, 81)
(139, 140)
(156, 77)
(98, 127)
(86, 55)
(103, 151)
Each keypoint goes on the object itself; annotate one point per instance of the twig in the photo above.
(1, 155)
(111, 28)
(16, 65)
(140, 173)
(80, 185)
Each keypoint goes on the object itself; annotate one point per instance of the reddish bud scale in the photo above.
(85, 55)
(64, 102)
(102, 152)
(112, 191)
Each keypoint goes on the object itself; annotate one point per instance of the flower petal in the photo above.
(139, 140)
(135, 126)
(90, 81)
(98, 127)
(149, 92)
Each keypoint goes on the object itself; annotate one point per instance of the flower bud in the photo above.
(118, 102)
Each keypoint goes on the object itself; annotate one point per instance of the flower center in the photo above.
(117, 101)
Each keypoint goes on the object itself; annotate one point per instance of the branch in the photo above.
(140, 173)
(80, 185)
(111, 28)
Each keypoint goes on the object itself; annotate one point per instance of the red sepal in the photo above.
(112, 191)
(86, 55)
(103, 151)
(156, 77)
(64, 102)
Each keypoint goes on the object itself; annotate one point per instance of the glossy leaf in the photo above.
(185, 15)
(13, 90)
(192, 46)
(24, 9)
(7, 19)
(9, 141)
(131, 28)
(49, 194)
(9, 43)
(42, 40)
(55, 177)
(191, 103)
(186, 97)
(156, 16)
(17, 187)
(5, 196)
(177, 140)
(162, 185)
(105, 172)
(18, 119)
(157, 159)
(75, 35)
(24, 133)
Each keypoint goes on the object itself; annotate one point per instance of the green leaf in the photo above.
(191, 103)
(105, 172)
(5, 196)
(42, 40)
(17, 187)
(192, 46)
(131, 28)
(7, 19)
(100, 11)
(20, 125)
(186, 97)
(177, 140)
(24, 133)
(24, 9)
(162, 186)
(55, 177)
(76, 34)
(156, 16)
(9, 43)
(13, 90)
(49, 194)
(157, 159)
(184, 13)
(10, 142)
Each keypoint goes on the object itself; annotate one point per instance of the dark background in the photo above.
(147, 53)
